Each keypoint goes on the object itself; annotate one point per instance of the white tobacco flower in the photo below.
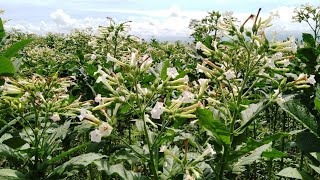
(163, 148)
(270, 63)
(294, 76)
(172, 72)
(187, 97)
(93, 57)
(317, 67)
(142, 91)
(25, 97)
(95, 136)
(98, 99)
(55, 117)
(209, 151)
(286, 62)
(102, 78)
(186, 79)
(311, 80)
(189, 177)
(278, 76)
(157, 110)
(105, 129)
(302, 76)
(293, 44)
(99, 71)
(230, 74)
(146, 62)
(83, 113)
(148, 120)
(203, 82)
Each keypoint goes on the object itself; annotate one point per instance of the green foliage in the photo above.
(217, 128)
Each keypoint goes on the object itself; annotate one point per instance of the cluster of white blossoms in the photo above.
(103, 130)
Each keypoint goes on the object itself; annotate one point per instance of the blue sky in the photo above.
(150, 18)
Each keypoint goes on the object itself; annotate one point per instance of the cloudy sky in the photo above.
(150, 18)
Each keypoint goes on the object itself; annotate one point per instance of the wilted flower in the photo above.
(55, 117)
(95, 136)
(172, 72)
(105, 129)
(157, 110)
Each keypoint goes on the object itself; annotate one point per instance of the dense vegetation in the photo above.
(231, 105)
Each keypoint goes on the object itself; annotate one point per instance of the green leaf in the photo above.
(216, 127)
(249, 159)
(165, 66)
(252, 144)
(6, 67)
(2, 32)
(14, 48)
(60, 132)
(315, 168)
(73, 166)
(294, 173)
(10, 154)
(10, 174)
(273, 153)
(119, 169)
(66, 153)
(308, 39)
(299, 112)
(308, 142)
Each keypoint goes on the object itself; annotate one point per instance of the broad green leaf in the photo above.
(60, 132)
(290, 172)
(6, 67)
(273, 153)
(14, 48)
(308, 56)
(165, 66)
(308, 39)
(10, 154)
(119, 169)
(299, 112)
(73, 166)
(10, 174)
(250, 158)
(308, 142)
(317, 103)
(5, 137)
(252, 144)
(216, 127)
(171, 166)
(2, 32)
(315, 168)
(64, 154)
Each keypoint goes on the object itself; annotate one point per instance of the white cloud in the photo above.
(171, 22)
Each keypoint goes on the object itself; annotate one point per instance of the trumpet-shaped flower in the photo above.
(187, 97)
(172, 72)
(55, 117)
(311, 80)
(98, 99)
(93, 57)
(157, 110)
(95, 136)
(230, 74)
(105, 129)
